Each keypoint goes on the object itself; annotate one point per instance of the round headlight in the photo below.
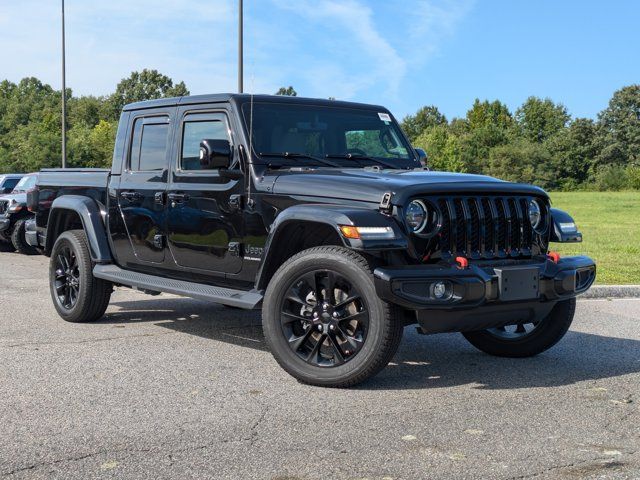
(416, 216)
(535, 214)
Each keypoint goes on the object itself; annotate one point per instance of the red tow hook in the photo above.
(462, 262)
(553, 256)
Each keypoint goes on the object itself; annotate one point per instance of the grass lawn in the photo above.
(610, 226)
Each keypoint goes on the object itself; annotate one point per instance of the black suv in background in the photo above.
(321, 213)
(14, 216)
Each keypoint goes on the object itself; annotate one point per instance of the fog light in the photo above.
(439, 290)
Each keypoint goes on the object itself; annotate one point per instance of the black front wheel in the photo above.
(323, 321)
(526, 339)
(77, 295)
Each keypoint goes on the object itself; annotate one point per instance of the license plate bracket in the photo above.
(518, 283)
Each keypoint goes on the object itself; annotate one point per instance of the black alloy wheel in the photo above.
(67, 278)
(324, 318)
(77, 295)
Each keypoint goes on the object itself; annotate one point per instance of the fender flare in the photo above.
(333, 216)
(563, 227)
(92, 223)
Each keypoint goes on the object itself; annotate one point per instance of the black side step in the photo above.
(142, 281)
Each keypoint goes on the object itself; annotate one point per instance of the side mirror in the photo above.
(422, 155)
(215, 154)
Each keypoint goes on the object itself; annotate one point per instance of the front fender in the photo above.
(563, 227)
(89, 212)
(333, 216)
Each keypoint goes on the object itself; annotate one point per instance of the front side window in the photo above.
(193, 133)
(345, 136)
(149, 146)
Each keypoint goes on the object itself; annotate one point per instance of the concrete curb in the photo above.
(612, 291)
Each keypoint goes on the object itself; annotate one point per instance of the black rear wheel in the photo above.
(323, 321)
(526, 339)
(77, 295)
(19, 241)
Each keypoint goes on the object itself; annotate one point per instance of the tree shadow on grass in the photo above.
(422, 362)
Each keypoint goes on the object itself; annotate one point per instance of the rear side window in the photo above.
(149, 145)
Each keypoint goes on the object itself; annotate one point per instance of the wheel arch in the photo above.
(306, 226)
(70, 212)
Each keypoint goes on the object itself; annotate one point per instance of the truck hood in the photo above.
(369, 185)
(18, 197)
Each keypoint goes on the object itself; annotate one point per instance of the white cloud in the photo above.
(356, 20)
(434, 21)
(350, 49)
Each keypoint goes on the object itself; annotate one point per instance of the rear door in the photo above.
(204, 218)
(143, 183)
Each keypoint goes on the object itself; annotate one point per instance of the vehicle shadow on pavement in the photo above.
(204, 319)
(447, 360)
(422, 362)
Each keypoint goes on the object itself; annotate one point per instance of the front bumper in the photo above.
(483, 295)
(5, 222)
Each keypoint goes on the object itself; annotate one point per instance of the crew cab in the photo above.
(321, 213)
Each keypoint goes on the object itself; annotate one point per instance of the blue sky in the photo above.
(400, 53)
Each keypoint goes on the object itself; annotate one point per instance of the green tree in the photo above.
(521, 161)
(540, 119)
(425, 118)
(618, 136)
(144, 85)
(443, 149)
(573, 151)
(489, 114)
(287, 91)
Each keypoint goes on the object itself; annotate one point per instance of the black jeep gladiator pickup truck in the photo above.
(320, 212)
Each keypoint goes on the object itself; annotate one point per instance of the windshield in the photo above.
(286, 135)
(25, 184)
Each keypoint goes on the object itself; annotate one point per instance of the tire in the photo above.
(366, 331)
(545, 335)
(5, 236)
(19, 241)
(88, 297)
(6, 246)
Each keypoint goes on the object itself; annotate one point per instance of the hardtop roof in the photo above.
(241, 98)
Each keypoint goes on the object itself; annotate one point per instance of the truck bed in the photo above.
(55, 182)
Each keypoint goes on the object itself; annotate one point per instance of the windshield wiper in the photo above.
(300, 155)
(351, 156)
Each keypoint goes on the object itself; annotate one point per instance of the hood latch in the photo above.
(385, 203)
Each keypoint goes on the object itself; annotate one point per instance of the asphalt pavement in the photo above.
(167, 387)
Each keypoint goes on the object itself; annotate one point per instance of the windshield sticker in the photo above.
(384, 117)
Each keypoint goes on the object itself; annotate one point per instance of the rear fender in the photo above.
(92, 222)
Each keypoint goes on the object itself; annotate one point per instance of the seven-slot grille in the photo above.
(485, 227)
(3, 206)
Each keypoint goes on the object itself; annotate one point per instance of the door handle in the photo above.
(131, 195)
(176, 198)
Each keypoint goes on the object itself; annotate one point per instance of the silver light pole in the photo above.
(64, 100)
(240, 47)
